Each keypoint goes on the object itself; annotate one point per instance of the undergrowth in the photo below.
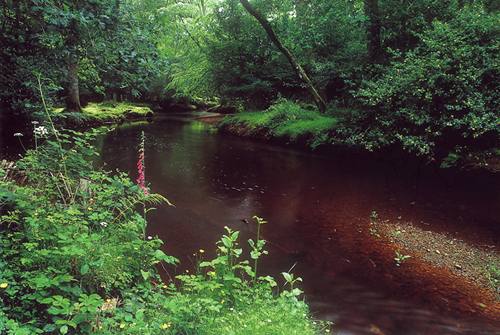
(74, 259)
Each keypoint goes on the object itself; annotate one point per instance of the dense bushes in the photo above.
(443, 95)
(75, 259)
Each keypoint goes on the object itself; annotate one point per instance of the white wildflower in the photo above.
(41, 131)
(18, 135)
(104, 224)
(150, 237)
(35, 122)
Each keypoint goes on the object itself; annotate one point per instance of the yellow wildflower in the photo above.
(4, 285)
(201, 251)
(166, 325)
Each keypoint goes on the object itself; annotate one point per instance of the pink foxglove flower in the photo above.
(141, 168)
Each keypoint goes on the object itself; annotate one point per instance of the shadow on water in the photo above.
(216, 181)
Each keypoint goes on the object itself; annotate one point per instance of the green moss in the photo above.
(102, 112)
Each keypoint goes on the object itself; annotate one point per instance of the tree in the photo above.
(373, 29)
(318, 100)
(75, 25)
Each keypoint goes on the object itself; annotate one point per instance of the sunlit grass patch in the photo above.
(99, 112)
(107, 110)
(287, 119)
(296, 128)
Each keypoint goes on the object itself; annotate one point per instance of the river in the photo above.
(217, 180)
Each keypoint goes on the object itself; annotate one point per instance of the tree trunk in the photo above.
(73, 94)
(295, 65)
(373, 29)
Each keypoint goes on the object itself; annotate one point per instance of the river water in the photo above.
(217, 180)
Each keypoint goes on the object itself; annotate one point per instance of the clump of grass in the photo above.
(287, 119)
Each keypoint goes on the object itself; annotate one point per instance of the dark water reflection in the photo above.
(216, 181)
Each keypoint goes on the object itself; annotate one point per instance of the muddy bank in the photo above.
(210, 118)
(476, 262)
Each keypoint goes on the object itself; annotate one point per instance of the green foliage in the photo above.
(187, 26)
(432, 91)
(113, 44)
(74, 259)
(443, 94)
(223, 299)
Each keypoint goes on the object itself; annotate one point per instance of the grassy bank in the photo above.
(285, 120)
(98, 113)
(75, 258)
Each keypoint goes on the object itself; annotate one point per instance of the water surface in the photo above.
(217, 180)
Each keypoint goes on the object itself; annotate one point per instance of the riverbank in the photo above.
(293, 124)
(101, 113)
(286, 122)
(463, 265)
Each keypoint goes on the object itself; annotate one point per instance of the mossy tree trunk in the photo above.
(318, 100)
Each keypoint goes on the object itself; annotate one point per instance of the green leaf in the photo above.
(145, 274)
(63, 329)
(288, 277)
(84, 269)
